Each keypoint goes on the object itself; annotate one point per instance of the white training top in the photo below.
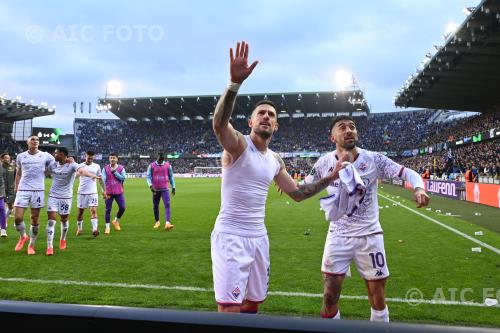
(88, 185)
(245, 185)
(370, 166)
(33, 170)
(63, 177)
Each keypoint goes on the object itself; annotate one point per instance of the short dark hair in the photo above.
(3, 154)
(90, 152)
(63, 150)
(340, 118)
(113, 154)
(265, 102)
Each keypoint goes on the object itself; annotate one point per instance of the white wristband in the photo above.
(234, 87)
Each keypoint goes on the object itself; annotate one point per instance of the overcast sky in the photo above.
(64, 51)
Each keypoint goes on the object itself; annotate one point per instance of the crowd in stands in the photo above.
(384, 132)
(483, 159)
(133, 138)
(9, 145)
(389, 132)
(465, 127)
(379, 132)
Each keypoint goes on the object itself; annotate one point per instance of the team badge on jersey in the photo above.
(363, 166)
(236, 292)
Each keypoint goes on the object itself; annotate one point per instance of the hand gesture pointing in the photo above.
(239, 68)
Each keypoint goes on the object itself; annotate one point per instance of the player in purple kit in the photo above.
(3, 216)
(113, 176)
(159, 174)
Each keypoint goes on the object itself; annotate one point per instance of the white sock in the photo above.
(79, 225)
(21, 228)
(64, 229)
(51, 226)
(107, 225)
(33, 234)
(94, 224)
(117, 219)
(168, 222)
(382, 315)
(337, 316)
(7, 213)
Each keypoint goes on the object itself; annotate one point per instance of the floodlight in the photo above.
(344, 79)
(113, 88)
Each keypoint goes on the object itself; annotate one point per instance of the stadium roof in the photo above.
(464, 74)
(16, 110)
(201, 107)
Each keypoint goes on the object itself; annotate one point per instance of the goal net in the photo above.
(207, 171)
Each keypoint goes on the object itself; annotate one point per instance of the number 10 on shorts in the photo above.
(378, 260)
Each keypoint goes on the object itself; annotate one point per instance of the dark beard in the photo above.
(350, 146)
(263, 134)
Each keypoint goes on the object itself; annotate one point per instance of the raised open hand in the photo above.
(239, 68)
(421, 198)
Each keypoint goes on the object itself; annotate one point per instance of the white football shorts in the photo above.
(59, 205)
(240, 267)
(87, 200)
(33, 199)
(368, 253)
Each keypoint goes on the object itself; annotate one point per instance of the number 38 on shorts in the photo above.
(61, 206)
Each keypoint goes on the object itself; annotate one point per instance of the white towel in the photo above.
(350, 195)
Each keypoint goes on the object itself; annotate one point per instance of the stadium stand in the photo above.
(392, 133)
(463, 74)
(379, 132)
(8, 144)
(484, 157)
(15, 112)
(460, 128)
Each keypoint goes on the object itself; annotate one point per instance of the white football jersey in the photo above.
(88, 185)
(33, 170)
(244, 188)
(370, 166)
(63, 177)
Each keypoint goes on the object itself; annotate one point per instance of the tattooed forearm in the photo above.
(305, 191)
(224, 108)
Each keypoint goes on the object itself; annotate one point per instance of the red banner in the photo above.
(486, 194)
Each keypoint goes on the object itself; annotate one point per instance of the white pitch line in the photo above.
(456, 215)
(492, 248)
(411, 302)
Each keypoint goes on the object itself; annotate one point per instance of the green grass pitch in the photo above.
(420, 255)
